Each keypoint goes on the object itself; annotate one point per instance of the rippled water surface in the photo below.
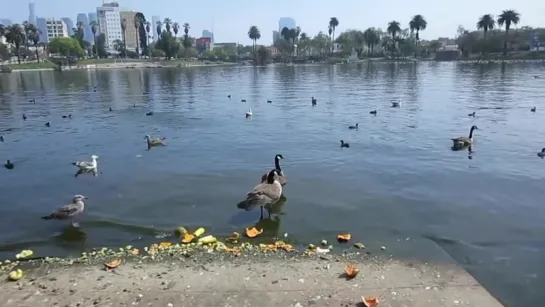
(398, 185)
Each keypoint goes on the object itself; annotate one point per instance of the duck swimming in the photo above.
(353, 127)
(374, 112)
(9, 165)
(249, 113)
(533, 109)
(541, 154)
(471, 114)
(313, 101)
(344, 145)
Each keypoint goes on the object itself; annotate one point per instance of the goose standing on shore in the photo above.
(267, 193)
(69, 211)
(152, 142)
(463, 141)
(281, 177)
(87, 165)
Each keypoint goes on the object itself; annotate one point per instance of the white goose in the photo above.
(249, 113)
(87, 165)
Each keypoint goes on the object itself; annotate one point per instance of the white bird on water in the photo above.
(249, 113)
(87, 165)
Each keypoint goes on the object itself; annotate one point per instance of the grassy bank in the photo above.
(34, 65)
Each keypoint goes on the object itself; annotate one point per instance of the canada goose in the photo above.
(229, 96)
(269, 101)
(533, 109)
(344, 145)
(281, 177)
(9, 165)
(149, 113)
(395, 104)
(463, 140)
(24, 117)
(158, 141)
(353, 127)
(249, 113)
(374, 112)
(87, 164)
(48, 124)
(266, 193)
(69, 211)
(243, 100)
(541, 154)
(471, 114)
(313, 100)
(67, 116)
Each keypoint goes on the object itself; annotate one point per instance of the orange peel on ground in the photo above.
(370, 301)
(351, 270)
(253, 232)
(113, 264)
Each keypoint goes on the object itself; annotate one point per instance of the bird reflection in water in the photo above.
(72, 236)
(93, 171)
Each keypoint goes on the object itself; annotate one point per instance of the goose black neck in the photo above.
(270, 177)
(471, 132)
(277, 163)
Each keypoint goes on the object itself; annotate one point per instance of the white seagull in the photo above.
(87, 165)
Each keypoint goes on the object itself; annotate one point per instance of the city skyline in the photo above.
(312, 17)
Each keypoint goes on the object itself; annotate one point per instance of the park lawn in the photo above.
(107, 61)
(33, 65)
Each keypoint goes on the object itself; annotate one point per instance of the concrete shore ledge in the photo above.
(246, 280)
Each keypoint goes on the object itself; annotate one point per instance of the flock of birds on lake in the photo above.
(266, 193)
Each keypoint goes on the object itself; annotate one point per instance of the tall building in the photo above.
(154, 21)
(109, 23)
(69, 25)
(31, 15)
(41, 25)
(92, 17)
(55, 28)
(276, 36)
(131, 34)
(286, 22)
(6, 22)
(87, 33)
(206, 33)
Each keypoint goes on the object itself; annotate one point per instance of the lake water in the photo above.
(398, 185)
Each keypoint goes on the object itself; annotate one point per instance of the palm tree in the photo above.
(485, 23)
(418, 23)
(393, 28)
(175, 28)
(94, 29)
(148, 29)
(186, 42)
(29, 29)
(137, 22)
(159, 29)
(333, 24)
(124, 29)
(167, 23)
(15, 34)
(35, 37)
(254, 35)
(371, 38)
(186, 28)
(303, 41)
(507, 18)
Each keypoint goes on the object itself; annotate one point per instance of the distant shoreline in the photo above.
(158, 65)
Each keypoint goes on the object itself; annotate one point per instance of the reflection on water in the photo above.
(398, 184)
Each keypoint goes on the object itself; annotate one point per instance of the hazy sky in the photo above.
(231, 19)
